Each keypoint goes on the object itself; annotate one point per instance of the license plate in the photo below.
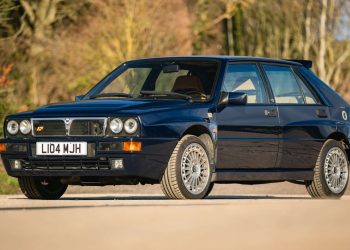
(61, 148)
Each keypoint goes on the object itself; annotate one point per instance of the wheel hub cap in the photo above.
(195, 168)
(336, 170)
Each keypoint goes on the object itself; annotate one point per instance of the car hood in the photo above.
(107, 107)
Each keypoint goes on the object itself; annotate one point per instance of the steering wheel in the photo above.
(196, 92)
(192, 92)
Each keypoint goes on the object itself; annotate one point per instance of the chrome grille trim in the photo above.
(67, 121)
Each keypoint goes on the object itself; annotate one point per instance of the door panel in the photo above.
(303, 119)
(248, 134)
(303, 134)
(247, 137)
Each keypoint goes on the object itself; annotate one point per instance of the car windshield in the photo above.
(183, 79)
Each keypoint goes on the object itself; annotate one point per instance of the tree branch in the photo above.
(28, 11)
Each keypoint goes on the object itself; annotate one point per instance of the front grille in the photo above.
(87, 127)
(49, 127)
(66, 164)
(69, 127)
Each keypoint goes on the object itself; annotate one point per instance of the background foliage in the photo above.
(52, 50)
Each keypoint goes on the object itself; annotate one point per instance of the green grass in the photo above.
(8, 185)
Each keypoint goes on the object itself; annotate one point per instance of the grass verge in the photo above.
(8, 185)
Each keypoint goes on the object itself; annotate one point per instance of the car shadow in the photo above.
(37, 205)
(161, 197)
(211, 197)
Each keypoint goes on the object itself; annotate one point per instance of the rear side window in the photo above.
(310, 98)
(245, 78)
(284, 85)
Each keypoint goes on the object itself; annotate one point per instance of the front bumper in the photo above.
(150, 163)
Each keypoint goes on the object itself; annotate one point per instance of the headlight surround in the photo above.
(12, 127)
(25, 127)
(130, 126)
(116, 125)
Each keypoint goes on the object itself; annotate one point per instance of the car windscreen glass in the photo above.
(194, 78)
(129, 82)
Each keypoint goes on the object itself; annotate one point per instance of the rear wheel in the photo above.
(331, 172)
(188, 175)
(45, 188)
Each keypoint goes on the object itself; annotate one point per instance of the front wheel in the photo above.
(188, 175)
(44, 188)
(331, 172)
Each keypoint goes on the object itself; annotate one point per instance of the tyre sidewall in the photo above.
(32, 188)
(328, 146)
(181, 185)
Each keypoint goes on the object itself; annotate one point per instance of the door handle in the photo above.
(322, 113)
(270, 113)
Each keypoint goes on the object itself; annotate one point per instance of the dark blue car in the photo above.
(187, 123)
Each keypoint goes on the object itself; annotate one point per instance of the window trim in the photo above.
(300, 88)
(268, 95)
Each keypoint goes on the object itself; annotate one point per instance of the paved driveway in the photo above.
(141, 221)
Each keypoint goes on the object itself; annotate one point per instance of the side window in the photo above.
(245, 78)
(284, 85)
(309, 96)
(165, 81)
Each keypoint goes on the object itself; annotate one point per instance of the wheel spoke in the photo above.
(195, 168)
(336, 170)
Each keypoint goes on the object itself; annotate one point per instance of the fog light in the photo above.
(117, 164)
(132, 146)
(16, 164)
(2, 147)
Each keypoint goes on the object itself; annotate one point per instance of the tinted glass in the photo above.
(194, 78)
(130, 82)
(245, 78)
(166, 81)
(309, 96)
(284, 85)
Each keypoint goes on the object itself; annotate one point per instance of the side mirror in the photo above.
(233, 98)
(79, 98)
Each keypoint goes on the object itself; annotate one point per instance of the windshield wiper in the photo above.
(110, 95)
(165, 93)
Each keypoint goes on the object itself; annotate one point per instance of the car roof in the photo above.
(220, 58)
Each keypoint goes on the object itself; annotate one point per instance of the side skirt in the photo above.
(238, 175)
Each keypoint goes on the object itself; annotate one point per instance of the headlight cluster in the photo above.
(25, 127)
(130, 126)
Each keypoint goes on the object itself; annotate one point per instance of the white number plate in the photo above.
(61, 148)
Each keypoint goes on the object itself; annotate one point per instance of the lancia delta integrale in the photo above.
(187, 123)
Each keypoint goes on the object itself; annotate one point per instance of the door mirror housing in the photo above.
(233, 98)
(79, 98)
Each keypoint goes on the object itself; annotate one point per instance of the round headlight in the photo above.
(12, 127)
(25, 127)
(130, 126)
(116, 125)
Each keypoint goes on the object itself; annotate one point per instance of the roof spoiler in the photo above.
(305, 63)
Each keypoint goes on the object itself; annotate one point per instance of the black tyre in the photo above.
(189, 171)
(331, 172)
(44, 188)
